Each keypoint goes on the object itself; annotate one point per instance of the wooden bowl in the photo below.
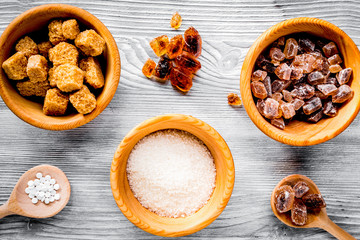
(302, 133)
(36, 19)
(173, 227)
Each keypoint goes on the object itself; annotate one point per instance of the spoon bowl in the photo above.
(19, 202)
(315, 218)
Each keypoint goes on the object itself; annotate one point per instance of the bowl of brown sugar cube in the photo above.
(60, 66)
(300, 81)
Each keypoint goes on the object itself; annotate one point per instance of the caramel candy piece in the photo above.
(299, 213)
(44, 48)
(265, 64)
(175, 46)
(277, 96)
(284, 198)
(31, 88)
(335, 59)
(175, 21)
(193, 42)
(70, 29)
(283, 71)
(68, 77)
(330, 49)
(55, 103)
(288, 110)
(149, 68)
(303, 91)
(162, 70)
(181, 79)
(314, 201)
(51, 78)
(300, 188)
(335, 68)
(344, 75)
(234, 99)
(83, 100)
(15, 66)
(330, 109)
(159, 45)
(276, 55)
(188, 61)
(279, 85)
(90, 43)
(271, 108)
(312, 105)
(327, 89)
(316, 78)
(27, 46)
(64, 53)
(343, 93)
(258, 75)
(258, 89)
(93, 73)
(291, 48)
(278, 122)
(55, 32)
(37, 68)
(306, 45)
(267, 84)
(315, 117)
(298, 103)
(287, 96)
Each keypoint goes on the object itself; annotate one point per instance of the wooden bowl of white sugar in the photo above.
(172, 175)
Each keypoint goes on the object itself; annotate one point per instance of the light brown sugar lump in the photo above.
(83, 100)
(37, 68)
(27, 46)
(93, 74)
(55, 103)
(51, 77)
(91, 43)
(70, 29)
(68, 77)
(30, 88)
(15, 66)
(63, 53)
(55, 32)
(44, 48)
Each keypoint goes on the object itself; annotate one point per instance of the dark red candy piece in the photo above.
(314, 201)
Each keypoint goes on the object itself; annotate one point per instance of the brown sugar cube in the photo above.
(55, 103)
(91, 43)
(93, 74)
(83, 100)
(51, 77)
(15, 66)
(55, 32)
(68, 77)
(27, 46)
(70, 29)
(44, 48)
(30, 88)
(63, 53)
(37, 68)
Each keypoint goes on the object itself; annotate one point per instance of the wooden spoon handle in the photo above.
(4, 210)
(337, 231)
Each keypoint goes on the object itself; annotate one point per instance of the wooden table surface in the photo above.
(228, 28)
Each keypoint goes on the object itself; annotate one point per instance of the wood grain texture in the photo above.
(228, 28)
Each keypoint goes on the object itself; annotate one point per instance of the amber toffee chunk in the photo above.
(175, 21)
(300, 188)
(149, 68)
(193, 41)
(181, 79)
(234, 99)
(159, 45)
(284, 198)
(299, 213)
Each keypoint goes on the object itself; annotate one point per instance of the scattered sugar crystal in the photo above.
(172, 173)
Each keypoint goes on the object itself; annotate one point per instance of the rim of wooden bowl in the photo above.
(27, 110)
(173, 227)
(301, 133)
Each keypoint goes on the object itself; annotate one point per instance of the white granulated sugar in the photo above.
(172, 173)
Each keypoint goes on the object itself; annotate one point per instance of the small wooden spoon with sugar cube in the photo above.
(21, 204)
(319, 219)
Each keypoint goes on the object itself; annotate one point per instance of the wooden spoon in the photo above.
(318, 219)
(19, 202)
